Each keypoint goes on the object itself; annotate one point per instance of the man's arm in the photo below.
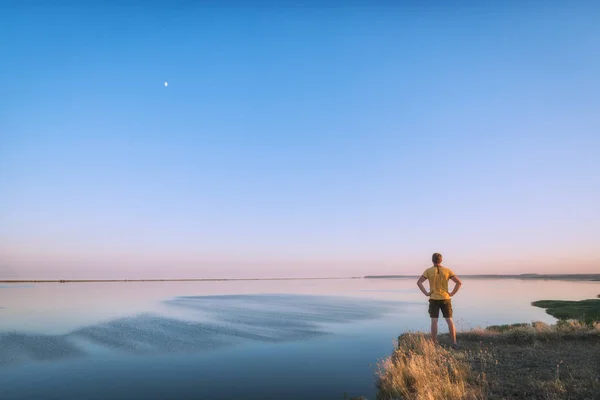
(420, 285)
(457, 285)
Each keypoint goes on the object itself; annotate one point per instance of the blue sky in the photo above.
(321, 140)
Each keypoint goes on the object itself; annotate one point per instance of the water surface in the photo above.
(299, 339)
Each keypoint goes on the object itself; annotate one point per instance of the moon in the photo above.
(166, 84)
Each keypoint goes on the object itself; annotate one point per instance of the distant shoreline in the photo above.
(555, 277)
(164, 280)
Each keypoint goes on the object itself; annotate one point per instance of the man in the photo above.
(439, 298)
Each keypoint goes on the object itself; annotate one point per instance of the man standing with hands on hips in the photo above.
(439, 297)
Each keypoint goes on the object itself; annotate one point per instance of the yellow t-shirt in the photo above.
(438, 282)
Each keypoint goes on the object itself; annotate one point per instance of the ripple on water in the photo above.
(231, 319)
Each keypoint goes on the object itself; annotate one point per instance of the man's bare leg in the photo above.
(451, 329)
(434, 324)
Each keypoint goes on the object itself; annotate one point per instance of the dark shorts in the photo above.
(436, 305)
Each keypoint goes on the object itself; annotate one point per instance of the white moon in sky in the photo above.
(166, 84)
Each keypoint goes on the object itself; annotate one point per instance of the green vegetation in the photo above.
(587, 311)
(505, 328)
(520, 361)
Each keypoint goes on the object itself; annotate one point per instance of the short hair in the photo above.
(436, 258)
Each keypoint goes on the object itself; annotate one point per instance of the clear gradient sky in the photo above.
(321, 140)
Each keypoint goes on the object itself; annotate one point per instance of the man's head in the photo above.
(436, 258)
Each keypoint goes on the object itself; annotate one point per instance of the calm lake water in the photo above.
(302, 339)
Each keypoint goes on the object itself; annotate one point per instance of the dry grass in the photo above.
(421, 370)
(521, 361)
(536, 331)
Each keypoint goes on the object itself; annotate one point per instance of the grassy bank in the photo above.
(584, 310)
(522, 361)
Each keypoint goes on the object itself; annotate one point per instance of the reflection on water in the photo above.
(15, 286)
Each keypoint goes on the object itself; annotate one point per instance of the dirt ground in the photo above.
(538, 369)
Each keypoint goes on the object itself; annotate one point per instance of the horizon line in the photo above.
(164, 280)
(525, 275)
